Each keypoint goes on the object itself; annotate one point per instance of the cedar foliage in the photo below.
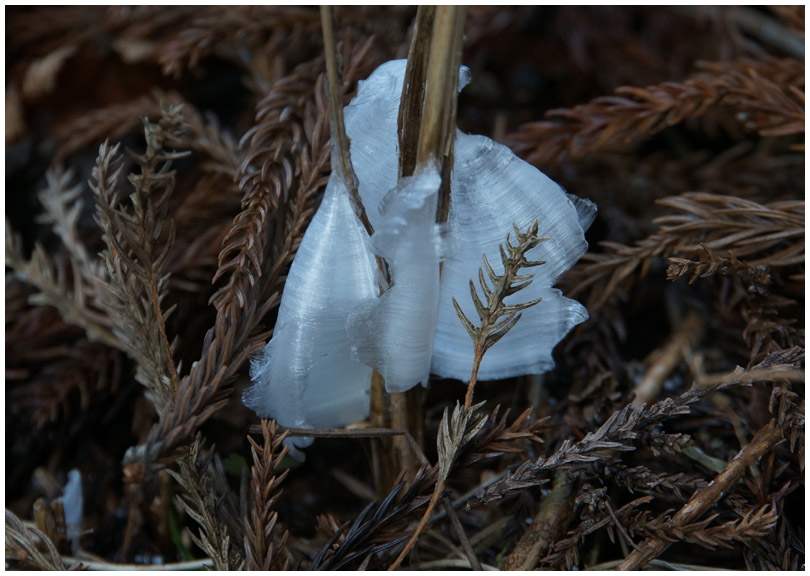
(162, 165)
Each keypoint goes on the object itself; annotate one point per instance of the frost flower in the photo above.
(334, 326)
(491, 189)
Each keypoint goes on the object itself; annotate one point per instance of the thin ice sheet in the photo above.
(491, 190)
(305, 377)
(395, 334)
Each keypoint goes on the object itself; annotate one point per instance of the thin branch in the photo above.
(340, 141)
(462, 535)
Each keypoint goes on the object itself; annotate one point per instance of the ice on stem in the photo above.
(306, 377)
(334, 325)
(491, 189)
(394, 335)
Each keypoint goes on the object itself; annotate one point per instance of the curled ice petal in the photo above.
(491, 189)
(305, 377)
(395, 334)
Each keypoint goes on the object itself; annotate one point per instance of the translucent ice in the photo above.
(491, 189)
(73, 504)
(395, 334)
(305, 377)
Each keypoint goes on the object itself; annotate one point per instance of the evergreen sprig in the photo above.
(497, 317)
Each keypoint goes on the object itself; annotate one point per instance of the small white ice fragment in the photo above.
(73, 504)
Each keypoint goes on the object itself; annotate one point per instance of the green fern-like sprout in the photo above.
(497, 317)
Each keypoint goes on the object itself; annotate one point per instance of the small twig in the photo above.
(200, 564)
(754, 375)
(626, 539)
(764, 441)
(548, 524)
(452, 563)
(462, 535)
(675, 566)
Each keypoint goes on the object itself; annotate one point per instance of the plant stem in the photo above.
(426, 127)
(407, 413)
(548, 524)
(441, 99)
(409, 119)
(479, 355)
(437, 492)
(339, 138)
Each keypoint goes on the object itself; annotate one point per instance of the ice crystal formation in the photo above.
(334, 325)
(305, 376)
(394, 333)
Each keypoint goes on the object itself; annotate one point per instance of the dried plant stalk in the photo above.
(426, 131)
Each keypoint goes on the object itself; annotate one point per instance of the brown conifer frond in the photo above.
(23, 544)
(66, 282)
(563, 554)
(769, 235)
(136, 283)
(765, 90)
(203, 504)
(642, 479)
(211, 28)
(617, 434)
(49, 362)
(753, 525)
(709, 263)
(262, 550)
(763, 442)
(267, 187)
(110, 123)
(254, 280)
